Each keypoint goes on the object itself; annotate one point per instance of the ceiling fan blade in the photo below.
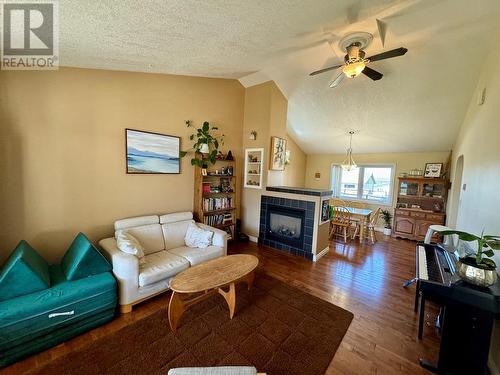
(373, 74)
(325, 70)
(389, 54)
(337, 80)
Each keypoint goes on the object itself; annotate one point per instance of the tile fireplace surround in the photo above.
(290, 220)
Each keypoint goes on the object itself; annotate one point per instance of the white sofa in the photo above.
(165, 254)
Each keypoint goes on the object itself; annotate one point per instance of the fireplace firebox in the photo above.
(285, 225)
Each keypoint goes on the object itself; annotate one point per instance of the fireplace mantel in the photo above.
(300, 191)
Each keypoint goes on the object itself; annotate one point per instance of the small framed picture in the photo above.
(433, 170)
(278, 150)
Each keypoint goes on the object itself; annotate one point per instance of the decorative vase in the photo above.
(470, 272)
(387, 231)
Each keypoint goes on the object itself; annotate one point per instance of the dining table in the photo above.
(362, 215)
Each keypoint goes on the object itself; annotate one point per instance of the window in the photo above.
(372, 183)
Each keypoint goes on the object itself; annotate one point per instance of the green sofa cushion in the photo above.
(83, 259)
(25, 318)
(24, 272)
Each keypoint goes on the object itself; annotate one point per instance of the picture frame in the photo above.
(433, 170)
(151, 153)
(278, 154)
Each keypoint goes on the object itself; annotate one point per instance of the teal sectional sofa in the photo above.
(42, 306)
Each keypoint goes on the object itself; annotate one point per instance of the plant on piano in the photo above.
(486, 244)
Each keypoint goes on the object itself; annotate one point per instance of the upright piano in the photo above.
(468, 313)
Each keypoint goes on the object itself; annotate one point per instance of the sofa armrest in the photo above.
(125, 269)
(220, 237)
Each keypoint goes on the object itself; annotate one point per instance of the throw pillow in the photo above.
(82, 259)
(197, 237)
(130, 245)
(23, 273)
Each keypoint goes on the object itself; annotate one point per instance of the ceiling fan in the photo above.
(355, 61)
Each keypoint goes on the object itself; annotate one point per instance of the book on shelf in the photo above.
(229, 233)
(206, 188)
(219, 219)
(221, 203)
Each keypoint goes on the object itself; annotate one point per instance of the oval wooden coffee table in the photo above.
(210, 278)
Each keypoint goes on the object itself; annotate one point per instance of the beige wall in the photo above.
(62, 149)
(266, 113)
(478, 142)
(404, 162)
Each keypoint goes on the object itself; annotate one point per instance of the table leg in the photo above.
(249, 279)
(230, 297)
(175, 310)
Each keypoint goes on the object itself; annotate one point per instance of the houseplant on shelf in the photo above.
(387, 218)
(206, 146)
(478, 268)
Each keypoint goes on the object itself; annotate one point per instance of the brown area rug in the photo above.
(276, 328)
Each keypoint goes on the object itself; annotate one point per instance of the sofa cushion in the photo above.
(174, 233)
(149, 236)
(175, 217)
(29, 317)
(160, 266)
(136, 222)
(196, 256)
(24, 272)
(220, 370)
(197, 237)
(82, 259)
(130, 245)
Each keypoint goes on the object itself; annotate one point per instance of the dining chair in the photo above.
(355, 204)
(340, 223)
(370, 226)
(337, 202)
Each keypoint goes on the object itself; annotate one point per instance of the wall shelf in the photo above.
(254, 162)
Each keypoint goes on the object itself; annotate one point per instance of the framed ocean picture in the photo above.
(152, 153)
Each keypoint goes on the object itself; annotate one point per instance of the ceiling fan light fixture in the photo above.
(354, 69)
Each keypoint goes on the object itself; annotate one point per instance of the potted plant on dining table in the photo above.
(478, 269)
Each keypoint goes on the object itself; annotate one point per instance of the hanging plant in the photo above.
(206, 146)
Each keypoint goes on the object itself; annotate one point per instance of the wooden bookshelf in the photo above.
(216, 207)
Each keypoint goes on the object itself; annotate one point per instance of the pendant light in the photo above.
(349, 164)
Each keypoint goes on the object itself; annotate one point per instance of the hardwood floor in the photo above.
(364, 279)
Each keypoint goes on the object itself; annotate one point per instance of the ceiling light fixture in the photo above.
(354, 69)
(349, 164)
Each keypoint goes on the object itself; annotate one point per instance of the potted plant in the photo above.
(387, 218)
(478, 268)
(206, 146)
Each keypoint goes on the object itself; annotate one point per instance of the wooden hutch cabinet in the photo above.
(421, 203)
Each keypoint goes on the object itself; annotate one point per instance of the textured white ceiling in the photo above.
(417, 106)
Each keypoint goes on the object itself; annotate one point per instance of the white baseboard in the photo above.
(493, 367)
(320, 254)
(253, 239)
